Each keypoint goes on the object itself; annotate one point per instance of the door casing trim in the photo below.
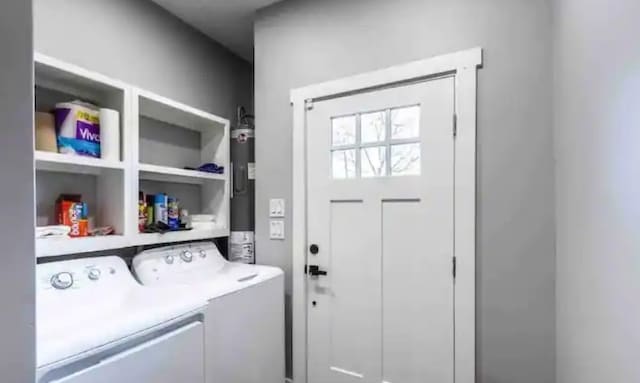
(463, 65)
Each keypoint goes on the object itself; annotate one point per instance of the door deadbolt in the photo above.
(314, 249)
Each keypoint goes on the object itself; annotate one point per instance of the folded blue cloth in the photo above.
(209, 167)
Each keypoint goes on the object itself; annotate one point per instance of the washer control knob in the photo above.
(203, 254)
(186, 256)
(62, 281)
(94, 274)
(168, 259)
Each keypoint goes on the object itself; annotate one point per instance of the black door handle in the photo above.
(314, 270)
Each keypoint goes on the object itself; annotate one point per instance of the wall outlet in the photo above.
(276, 208)
(276, 229)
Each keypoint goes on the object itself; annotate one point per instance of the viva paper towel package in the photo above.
(78, 128)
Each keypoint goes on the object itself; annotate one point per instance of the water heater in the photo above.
(241, 241)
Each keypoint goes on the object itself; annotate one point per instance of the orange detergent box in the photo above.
(72, 212)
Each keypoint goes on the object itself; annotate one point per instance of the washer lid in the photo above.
(89, 313)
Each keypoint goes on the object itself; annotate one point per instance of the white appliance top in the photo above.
(86, 303)
(199, 264)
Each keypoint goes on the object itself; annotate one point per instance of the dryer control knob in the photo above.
(203, 254)
(94, 274)
(186, 256)
(62, 281)
(168, 259)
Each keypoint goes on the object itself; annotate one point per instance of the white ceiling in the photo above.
(230, 22)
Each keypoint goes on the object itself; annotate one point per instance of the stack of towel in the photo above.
(54, 231)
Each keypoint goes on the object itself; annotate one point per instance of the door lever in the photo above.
(314, 270)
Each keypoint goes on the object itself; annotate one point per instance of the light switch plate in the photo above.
(276, 208)
(276, 229)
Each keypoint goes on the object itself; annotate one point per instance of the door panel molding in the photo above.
(462, 66)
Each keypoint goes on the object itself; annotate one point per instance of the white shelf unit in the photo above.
(102, 184)
(110, 188)
(171, 136)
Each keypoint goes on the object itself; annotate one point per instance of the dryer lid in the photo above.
(205, 270)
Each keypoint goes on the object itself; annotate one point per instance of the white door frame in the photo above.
(463, 66)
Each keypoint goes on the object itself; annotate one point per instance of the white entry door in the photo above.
(380, 224)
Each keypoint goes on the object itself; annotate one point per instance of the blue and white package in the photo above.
(78, 129)
(160, 209)
(173, 213)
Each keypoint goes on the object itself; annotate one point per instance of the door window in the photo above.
(376, 144)
(344, 163)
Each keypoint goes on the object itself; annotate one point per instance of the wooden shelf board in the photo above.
(180, 236)
(49, 247)
(52, 247)
(56, 162)
(175, 113)
(169, 174)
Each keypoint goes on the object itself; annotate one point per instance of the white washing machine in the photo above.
(244, 321)
(96, 324)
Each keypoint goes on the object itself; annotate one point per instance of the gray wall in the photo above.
(302, 42)
(597, 139)
(140, 43)
(17, 271)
